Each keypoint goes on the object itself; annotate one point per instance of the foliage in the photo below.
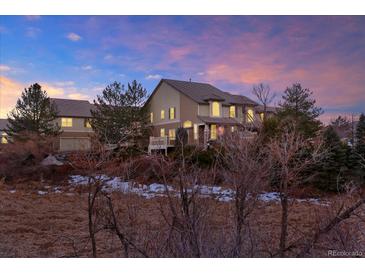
(359, 157)
(119, 116)
(329, 172)
(299, 110)
(34, 113)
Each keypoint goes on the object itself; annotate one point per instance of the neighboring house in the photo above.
(3, 125)
(204, 110)
(74, 119)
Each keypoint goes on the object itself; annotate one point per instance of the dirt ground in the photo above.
(34, 224)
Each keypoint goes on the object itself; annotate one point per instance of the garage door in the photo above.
(72, 144)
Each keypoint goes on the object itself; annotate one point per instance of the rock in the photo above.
(50, 160)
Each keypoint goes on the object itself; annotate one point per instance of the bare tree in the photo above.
(289, 162)
(264, 95)
(247, 170)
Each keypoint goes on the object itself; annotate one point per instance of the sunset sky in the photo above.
(77, 56)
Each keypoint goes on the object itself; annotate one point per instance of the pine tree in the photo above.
(34, 113)
(330, 171)
(298, 109)
(360, 146)
(119, 115)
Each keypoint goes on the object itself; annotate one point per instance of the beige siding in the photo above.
(78, 125)
(204, 110)
(74, 143)
(164, 98)
(225, 111)
(189, 110)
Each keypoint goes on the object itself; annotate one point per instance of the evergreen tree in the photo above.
(360, 136)
(330, 171)
(119, 115)
(360, 146)
(299, 110)
(34, 113)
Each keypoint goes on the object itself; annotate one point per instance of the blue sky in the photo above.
(77, 56)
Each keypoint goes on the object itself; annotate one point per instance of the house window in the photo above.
(87, 123)
(172, 134)
(162, 132)
(220, 131)
(216, 112)
(232, 129)
(187, 124)
(66, 122)
(162, 114)
(232, 111)
(151, 117)
(4, 140)
(262, 116)
(213, 132)
(172, 113)
(195, 132)
(250, 116)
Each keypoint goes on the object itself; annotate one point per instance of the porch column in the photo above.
(206, 135)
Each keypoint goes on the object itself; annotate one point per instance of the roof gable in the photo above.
(202, 93)
(73, 108)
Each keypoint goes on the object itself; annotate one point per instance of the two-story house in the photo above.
(74, 119)
(202, 109)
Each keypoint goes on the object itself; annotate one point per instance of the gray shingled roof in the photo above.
(260, 108)
(73, 108)
(219, 120)
(203, 92)
(3, 123)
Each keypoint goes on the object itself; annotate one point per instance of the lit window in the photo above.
(232, 111)
(4, 140)
(216, 109)
(172, 134)
(250, 116)
(213, 132)
(195, 132)
(172, 113)
(66, 122)
(232, 128)
(262, 116)
(187, 124)
(162, 132)
(151, 117)
(162, 114)
(87, 123)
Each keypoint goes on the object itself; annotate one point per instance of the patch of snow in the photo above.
(40, 192)
(50, 160)
(159, 190)
(269, 197)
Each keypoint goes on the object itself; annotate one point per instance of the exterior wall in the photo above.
(74, 136)
(78, 125)
(225, 111)
(164, 98)
(189, 110)
(204, 110)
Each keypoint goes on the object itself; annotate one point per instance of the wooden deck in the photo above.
(160, 143)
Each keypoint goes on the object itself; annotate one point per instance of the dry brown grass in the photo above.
(55, 225)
